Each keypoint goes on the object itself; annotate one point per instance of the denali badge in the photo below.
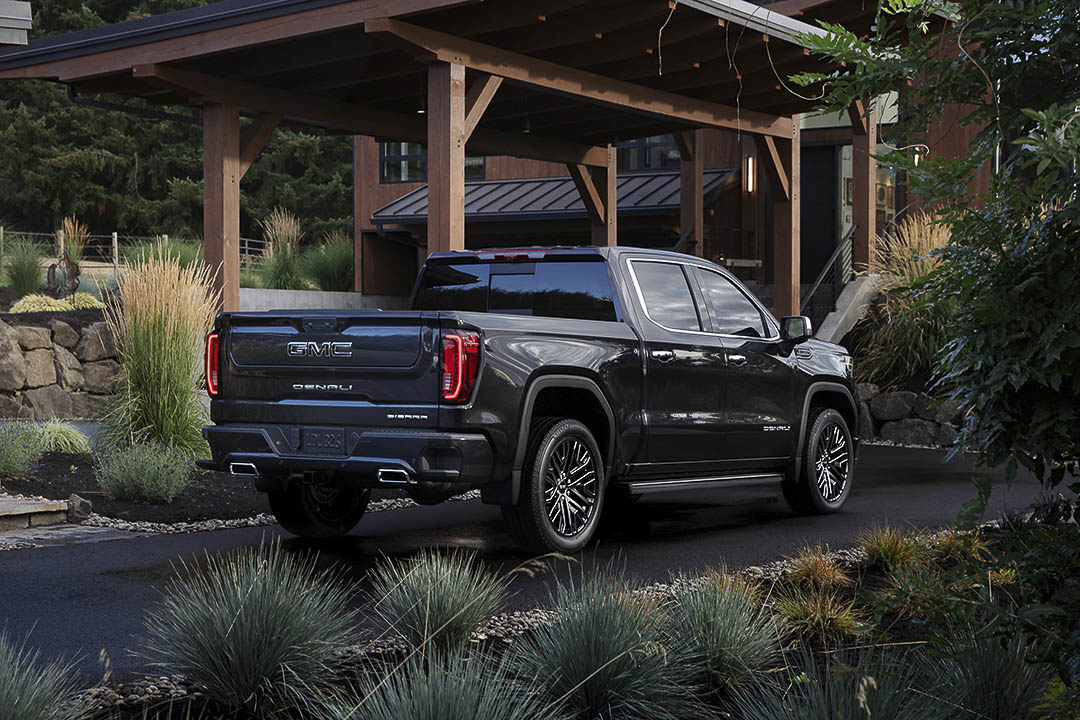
(322, 387)
(323, 349)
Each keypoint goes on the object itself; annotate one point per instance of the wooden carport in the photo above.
(556, 80)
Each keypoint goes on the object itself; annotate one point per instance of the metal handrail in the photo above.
(837, 253)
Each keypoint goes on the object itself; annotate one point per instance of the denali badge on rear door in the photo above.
(318, 387)
(323, 349)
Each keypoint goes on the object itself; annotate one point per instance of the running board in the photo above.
(653, 486)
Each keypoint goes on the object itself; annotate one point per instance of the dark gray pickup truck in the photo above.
(551, 379)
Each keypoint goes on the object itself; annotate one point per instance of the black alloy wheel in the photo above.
(828, 465)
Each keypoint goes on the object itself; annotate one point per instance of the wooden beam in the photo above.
(446, 157)
(590, 196)
(774, 165)
(255, 138)
(692, 187)
(786, 224)
(476, 102)
(859, 120)
(606, 181)
(485, 18)
(864, 186)
(563, 79)
(358, 119)
(359, 221)
(221, 200)
(581, 28)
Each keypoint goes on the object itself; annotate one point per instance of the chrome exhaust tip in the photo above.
(243, 469)
(394, 476)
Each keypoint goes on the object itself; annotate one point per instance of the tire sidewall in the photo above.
(297, 510)
(823, 420)
(542, 456)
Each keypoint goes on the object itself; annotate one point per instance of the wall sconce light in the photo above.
(749, 176)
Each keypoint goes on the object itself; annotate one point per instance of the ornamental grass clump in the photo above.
(719, 622)
(160, 315)
(23, 266)
(73, 236)
(32, 690)
(816, 568)
(145, 472)
(993, 679)
(892, 549)
(608, 656)
(85, 301)
(40, 303)
(58, 436)
(819, 615)
(330, 265)
(281, 268)
(436, 599)
(21, 447)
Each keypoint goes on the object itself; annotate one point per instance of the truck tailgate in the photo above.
(363, 367)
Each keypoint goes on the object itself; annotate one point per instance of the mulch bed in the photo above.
(210, 496)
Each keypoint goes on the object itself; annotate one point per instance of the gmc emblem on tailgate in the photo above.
(323, 349)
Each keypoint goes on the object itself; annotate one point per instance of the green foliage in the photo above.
(21, 447)
(330, 265)
(849, 686)
(23, 266)
(62, 437)
(187, 253)
(143, 472)
(436, 598)
(718, 621)
(447, 688)
(258, 630)
(819, 615)
(282, 266)
(40, 303)
(993, 679)
(890, 548)
(606, 656)
(31, 690)
(85, 301)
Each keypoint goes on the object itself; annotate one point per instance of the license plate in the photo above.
(324, 441)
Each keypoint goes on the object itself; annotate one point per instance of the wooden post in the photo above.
(164, 239)
(446, 157)
(692, 187)
(780, 158)
(115, 253)
(358, 222)
(864, 184)
(221, 200)
(606, 180)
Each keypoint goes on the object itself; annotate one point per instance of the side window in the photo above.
(731, 311)
(668, 299)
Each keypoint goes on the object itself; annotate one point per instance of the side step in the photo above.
(645, 487)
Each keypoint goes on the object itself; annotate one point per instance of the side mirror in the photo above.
(796, 328)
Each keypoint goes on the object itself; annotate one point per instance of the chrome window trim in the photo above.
(766, 316)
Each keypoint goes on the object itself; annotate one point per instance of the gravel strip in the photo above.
(17, 546)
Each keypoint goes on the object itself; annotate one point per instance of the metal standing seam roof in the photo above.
(652, 193)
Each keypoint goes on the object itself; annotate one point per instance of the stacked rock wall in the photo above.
(55, 371)
(906, 418)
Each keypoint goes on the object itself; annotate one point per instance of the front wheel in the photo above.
(828, 463)
(561, 490)
(314, 510)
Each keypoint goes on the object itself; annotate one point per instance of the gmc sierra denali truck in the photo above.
(551, 379)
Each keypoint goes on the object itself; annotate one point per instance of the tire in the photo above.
(562, 488)
(823, 485)
(318, 511)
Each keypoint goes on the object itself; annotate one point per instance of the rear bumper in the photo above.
(378, 457)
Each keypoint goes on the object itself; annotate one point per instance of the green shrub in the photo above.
(718, 621)
(993, 679)
(160, 319)
(606, 657)
(330, 265)
(845, 686)
(40, 303)
(889, 548)
(21, 447)
(62, 437)
(448, 688)
(258, 630)
(281, 268)
(23, 268)
(30, 690)
(436, 598)
(818, 614)
(143, 472)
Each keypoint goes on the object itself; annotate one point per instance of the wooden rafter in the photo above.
(591, 27)
(255, 137)
(859, 120)
(590, 196)
(774, 165)
(563, 79)
(477, 100)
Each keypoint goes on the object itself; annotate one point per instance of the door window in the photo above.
(732, 313)
(666, 294)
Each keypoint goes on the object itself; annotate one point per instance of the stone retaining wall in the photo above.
(905, 417)
(55, 371)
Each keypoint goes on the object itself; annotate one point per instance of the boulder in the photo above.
(892, 405)
(866, 429)
(865, 392)
(68, 370)
(100, 376)
(99, 405)
(922, 408)
(12, 364)
(80, 405)
(950, 411)
(11, 407)
(34, 338)
(79, 509)
(63, 334)
(911, 431)
(947, 435)
(96, 343)
(40, 368)
(48, 402)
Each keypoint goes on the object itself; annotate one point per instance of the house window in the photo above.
(407, 162)
(656, 152)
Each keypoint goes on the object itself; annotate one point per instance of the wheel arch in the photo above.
(831, 395)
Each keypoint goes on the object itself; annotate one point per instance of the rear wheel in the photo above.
(561, 490)
(315, 510)
(828, 462)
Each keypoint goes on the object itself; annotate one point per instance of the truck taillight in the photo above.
(460, 365)
(213, 363)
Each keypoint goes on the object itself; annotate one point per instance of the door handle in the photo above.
(736, 359)
(663, 355)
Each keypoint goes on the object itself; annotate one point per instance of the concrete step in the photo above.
(19, 513)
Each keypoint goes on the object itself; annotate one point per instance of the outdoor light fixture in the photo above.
(748, 174)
